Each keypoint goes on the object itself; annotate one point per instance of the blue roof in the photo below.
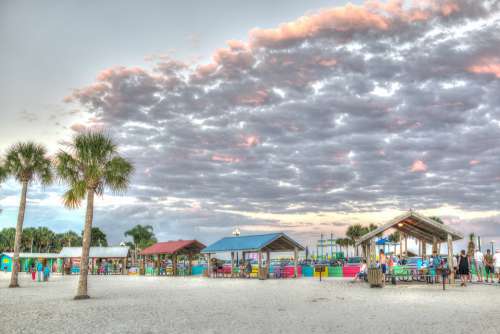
(246, 243)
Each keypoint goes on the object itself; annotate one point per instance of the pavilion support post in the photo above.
(260, 265)
(366, 247)
(209, 267)
(124, 268)
(143, 265)
(158, 264)
(190, 264)
(424, 249)
(268, 263)
(401, 237)
(406, 246)
(232, 263)
(296, 262)
(434, 246)
(174, 264)
(450, 258)
(373, 251)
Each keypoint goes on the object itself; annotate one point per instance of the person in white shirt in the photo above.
(496, 263)
(479, 260)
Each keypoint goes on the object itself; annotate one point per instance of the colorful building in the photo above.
(27, 259)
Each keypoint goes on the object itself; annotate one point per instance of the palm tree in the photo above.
(354, 232)
(143, 237)
(7, 236)
(28, 239)
(91, 165)
(27, 162)
(97, 238)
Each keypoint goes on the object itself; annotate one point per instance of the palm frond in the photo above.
(74, 196)
(27, 161)
(117, 174)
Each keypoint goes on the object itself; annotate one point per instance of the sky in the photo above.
(296, 116)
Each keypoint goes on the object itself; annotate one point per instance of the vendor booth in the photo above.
(102, 260)
(425, 230)
(172, 258)
(252, 246)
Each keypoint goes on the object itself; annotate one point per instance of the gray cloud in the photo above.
(398, 108)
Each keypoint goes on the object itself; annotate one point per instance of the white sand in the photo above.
(199, 305)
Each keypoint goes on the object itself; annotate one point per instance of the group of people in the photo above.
(462, 264)
(39, 271)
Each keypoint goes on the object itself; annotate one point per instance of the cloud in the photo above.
(351, 109)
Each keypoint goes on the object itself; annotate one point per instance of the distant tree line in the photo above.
(44, 240)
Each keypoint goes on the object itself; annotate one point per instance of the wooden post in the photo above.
(367, 256)
(158, 264)
(232, 263)
(268, 263)
(209, 267)
(424, 249)
(373, 250)
(406, 246)
(450, 259)
(296, 262)
(174, 264)
(401, 237)
(260, 264)
(434, 245)
(124, 269)
(144, 265)
(190, 263)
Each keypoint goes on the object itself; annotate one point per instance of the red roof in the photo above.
(171, 247)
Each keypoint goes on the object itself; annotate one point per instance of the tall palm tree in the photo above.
(143, 236)
(26, 162)
(354, 232)
(90, 165)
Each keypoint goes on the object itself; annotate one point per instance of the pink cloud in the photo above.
(250, 141)
(487, 65)
(418, 166)
(349, 19)
(257, 98)
(225, 158)
(474, 162)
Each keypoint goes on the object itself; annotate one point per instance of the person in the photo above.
(479, 259)
(488, 266)
(39, 271)
(383, 262)
(363, 272)
(248, 269)
(33, 272)
(496, 263)
(463, 267)
(46, 273)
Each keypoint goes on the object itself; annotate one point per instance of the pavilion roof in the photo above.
(96, 252)
(172, 247)
(33, 255)
(415, 225)
(273, 242)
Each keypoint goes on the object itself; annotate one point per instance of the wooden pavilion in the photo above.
(172, 249)
(264, 243)
(424, 229)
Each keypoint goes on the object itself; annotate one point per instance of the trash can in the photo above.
(375, 277)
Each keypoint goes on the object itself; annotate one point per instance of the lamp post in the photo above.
(492, 242)
(237, 233)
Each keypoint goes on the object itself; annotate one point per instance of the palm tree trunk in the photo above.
(84, 261)
(17, 241)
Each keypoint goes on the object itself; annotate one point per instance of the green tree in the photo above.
(98, 238)
(28, 239)
(7, 237)
(91, 164)
(143, 236)
(354, 232)
(27, 163)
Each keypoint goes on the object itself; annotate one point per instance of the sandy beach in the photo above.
(123, 304)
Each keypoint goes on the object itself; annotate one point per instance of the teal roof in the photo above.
(249, 243)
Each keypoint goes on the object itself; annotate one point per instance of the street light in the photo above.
(237, 233)
(492, 242)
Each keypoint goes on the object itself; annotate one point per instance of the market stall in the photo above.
(257, 245)
(171, 258)
(102, 260)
